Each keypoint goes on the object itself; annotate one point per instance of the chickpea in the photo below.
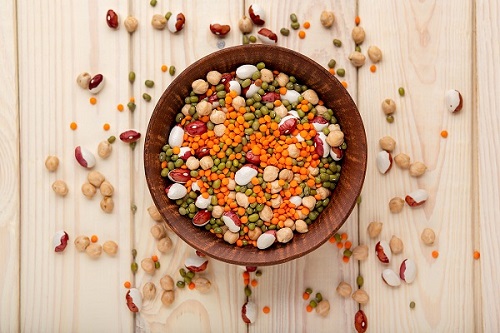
(107, 204)
(164, 245)
(94, 250)
(193, 163)
(232, 237)
(154, 213)
(106, 189)
(110, 248)
(200, 86)
(104, 149)
(167, 283)
(158, 231)
(52, 163)
(217, 117)
(148, 265)
(301, 226)
(203, 108)
(81, 243)
(202, 284)
(95, 178)
(214, 77)
(131, 24)
(60, 187)
(88, 190)
(168, 297)
(149, 291)
(159, 22)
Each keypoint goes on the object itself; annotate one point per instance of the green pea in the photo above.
(190, 274)
(313, 304)
(412, 305)
(252, 38)
(216, 184)
(245, 40)
(134, 267)
(319, 297)
(357, 48)
(112, 139)
(293, 17)
(146, 97)
(180, 284)
(168, 15)
(218, 230)
(389, 118)
(295, 25)
(182, 272)
(401, 91)
(246, 83)
(256, 75)
(248, 291)
(149, 83)
(337, 42)
(253, 218)
(193, 99)
(308, 291)
(248, 116)
(284, 31)
(360, 281)
(187, 280)
(171, 70)
(131, 106)
(153, 3)
(157, 265)
(221, 94)
(332, 63)
(131, 77)
(258, 273)
(347, 253)
(134, 253)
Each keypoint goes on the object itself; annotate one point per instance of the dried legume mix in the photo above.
(254, 156)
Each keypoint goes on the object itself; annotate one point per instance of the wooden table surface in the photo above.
(428, 47)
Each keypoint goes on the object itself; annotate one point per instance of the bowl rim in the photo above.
(269, 256)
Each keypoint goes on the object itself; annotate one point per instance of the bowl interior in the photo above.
(329, 90)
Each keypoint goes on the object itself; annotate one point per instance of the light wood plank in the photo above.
(219, 310)
(9, 171)
(427, 50)
(70, 292)
(281, 287)
(488, 122)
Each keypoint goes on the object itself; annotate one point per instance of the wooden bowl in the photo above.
(329, 89)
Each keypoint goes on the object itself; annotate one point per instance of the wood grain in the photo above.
(9, 171)
(69, 291)
(488, 74)
(423, 57)
(219, 310)
(281, 287)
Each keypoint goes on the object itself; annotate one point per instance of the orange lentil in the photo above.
(307, 25)
(93, 100)
(132, 99)
(332, 71)
(302, 34)
(127, 284)
(94, 239)
(340, 245)
(254, 283)
(477, 255)
(154, 258)
(357, 20)
(305, 296)
(73, 126)
(444, 134)
(348, 245)
(106, 127)
(332, 240)
(191, 285)
(373, 68)
(119, 107)
(344, 236)
(435, 254)
(164, 68)
(344, 84)
(309, 308)
(345, 259)
(266, 309)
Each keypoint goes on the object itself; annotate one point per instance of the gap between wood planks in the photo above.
(476, 231)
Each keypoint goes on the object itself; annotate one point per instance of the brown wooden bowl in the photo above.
(329, 89)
